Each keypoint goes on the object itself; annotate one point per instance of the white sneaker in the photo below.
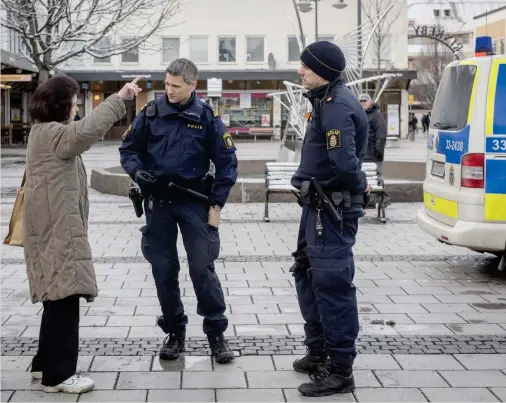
(38, 374)
(75, 384)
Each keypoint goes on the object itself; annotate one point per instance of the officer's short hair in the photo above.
(184, 67)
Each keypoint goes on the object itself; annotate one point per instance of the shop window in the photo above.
(255, 49)
(132, 55)
(246, 110)
(170, 49)
(199, 49)
(103, 45)
(227, 49)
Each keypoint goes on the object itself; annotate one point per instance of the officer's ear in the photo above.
(193, 85)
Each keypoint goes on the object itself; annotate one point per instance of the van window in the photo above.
(451, 106)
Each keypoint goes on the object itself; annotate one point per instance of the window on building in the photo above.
(199, 49)
(327, 38)
(227, 49)
(132, 55)
(255, 49)
(170, 49)
(104, 44)
(293, 49)
(436, 13)
(447, 13)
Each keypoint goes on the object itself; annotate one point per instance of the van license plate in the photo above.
(438, 169)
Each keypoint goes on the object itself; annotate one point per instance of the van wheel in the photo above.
(492, 265)
(502, 263)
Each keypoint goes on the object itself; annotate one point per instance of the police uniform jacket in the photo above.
(335, 142)
(177, 144)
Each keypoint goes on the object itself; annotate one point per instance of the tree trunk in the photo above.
(43, 75)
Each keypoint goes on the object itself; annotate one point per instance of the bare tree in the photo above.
(55, 31)
(382, 39)
(430, 65)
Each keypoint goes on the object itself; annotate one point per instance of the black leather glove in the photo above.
(146, 181)
(301, 262)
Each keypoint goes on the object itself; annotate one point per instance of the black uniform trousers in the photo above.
(58, 341)
(326, 293)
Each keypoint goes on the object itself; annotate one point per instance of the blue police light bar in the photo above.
(483, 46)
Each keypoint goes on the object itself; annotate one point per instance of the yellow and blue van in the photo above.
(465, 183)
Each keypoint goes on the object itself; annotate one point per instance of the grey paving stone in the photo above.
(500, 393)
(137, 320)
(6, 395)
(40, 396)
(478, 361)
(389, 395)
(103, 380)
(195, 395)
(255, 308)
(293, 395)
(414, 299)
(410, 379)
(400, 308)
(183, 363)
(448, 308)
(285, 362)
(280, 318)
(207, 380)
(442, 318)
(104, 364)
(375, 362)
(114, 396)
(15, 363)
(18, 380)
(477, 329)
(275, 379)
(150, 380)
(246, 363)
(252, 395)
(428, 362)
(422, 329)
(257, 330)
(459, 395)
(476, 379)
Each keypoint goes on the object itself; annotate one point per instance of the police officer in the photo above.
(332, 153)
(173, 140)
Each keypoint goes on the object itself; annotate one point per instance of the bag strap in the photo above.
(24, 180)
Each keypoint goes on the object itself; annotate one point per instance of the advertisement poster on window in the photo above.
(393, 119)
(225, 118)
(245, 101)
(266, 120)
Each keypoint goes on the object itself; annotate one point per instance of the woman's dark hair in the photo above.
(52, 100)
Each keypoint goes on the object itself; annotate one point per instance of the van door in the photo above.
(495, 143)
(448, 140)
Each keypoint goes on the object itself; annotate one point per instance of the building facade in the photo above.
(250, 46)
(493, 24)
(18, 80)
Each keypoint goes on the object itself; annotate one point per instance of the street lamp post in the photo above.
(305, 6)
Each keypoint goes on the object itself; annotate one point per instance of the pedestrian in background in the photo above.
(55, 223)
(377, 137)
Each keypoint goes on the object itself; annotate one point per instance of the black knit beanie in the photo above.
(325, 59)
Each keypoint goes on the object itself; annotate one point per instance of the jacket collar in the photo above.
(323, 91)
(192, 110)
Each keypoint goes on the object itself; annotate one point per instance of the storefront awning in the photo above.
(159, 75)
(15, 61)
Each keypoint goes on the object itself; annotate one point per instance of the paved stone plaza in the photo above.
(433, 325)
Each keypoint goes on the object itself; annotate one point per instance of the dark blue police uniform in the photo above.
(332, 153)
(176, 143)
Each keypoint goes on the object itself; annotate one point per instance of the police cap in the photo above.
(325, 59)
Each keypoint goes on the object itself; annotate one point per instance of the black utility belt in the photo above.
(346, 199)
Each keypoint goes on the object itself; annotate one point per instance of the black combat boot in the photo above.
(173, 345)
(328, 383)
(311, 363)
(221, 350)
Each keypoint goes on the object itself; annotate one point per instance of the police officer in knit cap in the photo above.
(332, 187)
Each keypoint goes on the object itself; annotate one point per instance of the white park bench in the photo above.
(279, 174)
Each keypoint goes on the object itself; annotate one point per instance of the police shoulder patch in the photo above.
(127, 132)
(215, 114)
(333, 139)
(227, 140)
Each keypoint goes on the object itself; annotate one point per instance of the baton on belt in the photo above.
(192, 192)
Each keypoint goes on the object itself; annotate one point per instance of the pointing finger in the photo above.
(136, 80)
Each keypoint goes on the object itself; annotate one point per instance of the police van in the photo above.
(465, 184)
